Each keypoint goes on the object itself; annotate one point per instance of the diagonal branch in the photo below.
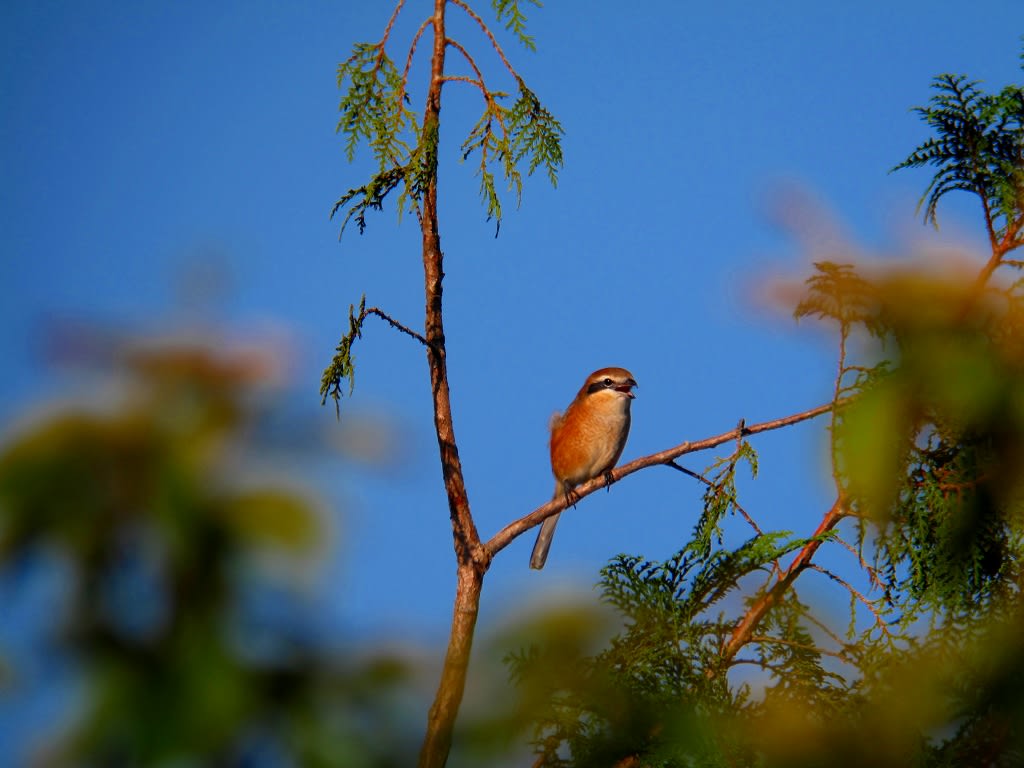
(510, 532)
(746, 626)
(393, 323)
(490, 36)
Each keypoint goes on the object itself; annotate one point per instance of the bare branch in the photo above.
(393, 323)
(490, 36)
(879, 621)
(506, 535)
(810, 617)
(465, 79)
(391, 22)
(469, 59)
(412, 51)
(871, 571)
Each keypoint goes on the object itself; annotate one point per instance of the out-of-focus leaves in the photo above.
(144, 501)
(872, 437)
(271, 517)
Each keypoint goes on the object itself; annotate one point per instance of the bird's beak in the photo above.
(626, 388)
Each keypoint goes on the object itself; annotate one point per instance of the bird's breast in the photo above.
(589, 438)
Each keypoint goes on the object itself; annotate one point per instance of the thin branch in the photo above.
(871, 570)
(469, 59)
(490, 36)
(823, 627)
(393, 323)
(732, 499)
(764, 640)
(853, 591)
(465, 79)
(412, 50)
(510, 532)
(391, 22)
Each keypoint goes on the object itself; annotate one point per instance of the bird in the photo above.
(586, 441)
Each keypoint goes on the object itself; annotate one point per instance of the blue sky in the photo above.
(141, 141)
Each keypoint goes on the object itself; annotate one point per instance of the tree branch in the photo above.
(412, 51)
(879, 621)
(746, 626)
(490, 36)
(393, 323)
(391, 22)
(510, 532)
(469, 59)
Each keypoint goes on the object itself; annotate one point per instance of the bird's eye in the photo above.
(607, 382)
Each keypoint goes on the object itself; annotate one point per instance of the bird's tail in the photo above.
(544, 536)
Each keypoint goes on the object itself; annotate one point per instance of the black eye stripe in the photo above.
(597, 386)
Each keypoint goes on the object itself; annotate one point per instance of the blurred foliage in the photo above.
(162, 535)
(927, 450)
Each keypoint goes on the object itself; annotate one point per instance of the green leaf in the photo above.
(515, 20)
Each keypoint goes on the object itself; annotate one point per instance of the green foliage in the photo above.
(535, 133)
(342, 365)
(373, 111)
(720, 496)
(658, 689)
(978, 148)
(516, 23)
(508, 136)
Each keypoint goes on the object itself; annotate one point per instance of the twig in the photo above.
(764, 640)
(393, 323)
(412, 50)
(391, 22)
(871, 570)
(469, 60)
(823, 627)
(490, 36)
(853, 591)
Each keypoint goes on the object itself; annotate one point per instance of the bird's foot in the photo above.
(608, 479)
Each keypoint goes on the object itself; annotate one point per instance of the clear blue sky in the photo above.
(141, 139)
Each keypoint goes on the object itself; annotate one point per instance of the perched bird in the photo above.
(586, 441)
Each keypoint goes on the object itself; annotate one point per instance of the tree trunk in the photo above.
(471, 557)
(437, 742)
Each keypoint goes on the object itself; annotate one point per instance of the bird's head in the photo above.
(613, 380)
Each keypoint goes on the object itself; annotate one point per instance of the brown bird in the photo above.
(586, 441)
